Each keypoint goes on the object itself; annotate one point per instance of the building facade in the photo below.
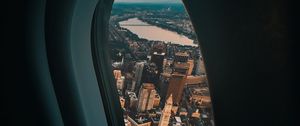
(158, 59)
(166, 113)
(146, 97)
(176, 86)
(120, 83)
(138, 72)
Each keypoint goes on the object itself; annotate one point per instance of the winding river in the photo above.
(151, 32)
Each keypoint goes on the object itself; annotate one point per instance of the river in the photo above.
(151, 32)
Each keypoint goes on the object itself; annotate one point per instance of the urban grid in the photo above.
(159, 82)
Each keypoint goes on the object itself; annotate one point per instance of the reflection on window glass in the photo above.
(157, 65)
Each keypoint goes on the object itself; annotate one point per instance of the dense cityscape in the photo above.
(159, 82)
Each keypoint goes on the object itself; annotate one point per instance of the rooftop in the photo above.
(159, 53)
(181, 54)
(140, 120)
(148, 86)
(181, 65)
(194, 79)
(196, 90)
(131, 95)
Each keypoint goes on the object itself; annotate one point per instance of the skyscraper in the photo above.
(163, 86)
(200, 68)
(175, 87)
(138, 72)
(146, 97)
(178, 76)
(132, 100)
(156, 100)
(181, 63)
(120, 83)
(191, 66)
(166, 113)
(117, 74)
(181, 57)
(181, 68)
(158, 59)
(149, 73)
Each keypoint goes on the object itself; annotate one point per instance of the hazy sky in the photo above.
(148, 1)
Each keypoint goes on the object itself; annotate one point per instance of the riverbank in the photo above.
(155, 33)
(168, 27)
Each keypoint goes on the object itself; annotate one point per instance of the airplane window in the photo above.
(157, 64)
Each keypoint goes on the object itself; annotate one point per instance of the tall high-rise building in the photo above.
(178, 76)
(122, 102)
(181, 57)
(117, 74)
(138, 72)
(175, 87)
(158, 59)
(146, 97)
(166, 113)
(156, 100)
(200, 68)
(191, 66)
(181, 68)
(129, 81)
(120, 83)
(150, 73)
(132, 86)
(181, 63)
(132, 100)
(163, 85)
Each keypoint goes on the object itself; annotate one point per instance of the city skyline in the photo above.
(157, 67)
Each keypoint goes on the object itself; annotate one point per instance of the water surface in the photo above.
(151, 32)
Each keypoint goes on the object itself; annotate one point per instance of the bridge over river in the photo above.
(155, 33)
